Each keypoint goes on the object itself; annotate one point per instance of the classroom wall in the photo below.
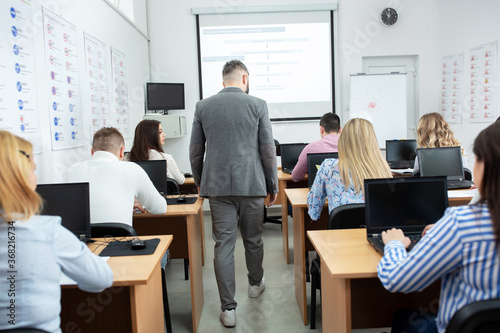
(462, 26)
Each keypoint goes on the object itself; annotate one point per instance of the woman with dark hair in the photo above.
(148, 141)
(461, 249)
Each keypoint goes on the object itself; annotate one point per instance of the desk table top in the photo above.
(177, 210)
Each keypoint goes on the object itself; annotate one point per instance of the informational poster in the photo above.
(120, 88)
(452, 77)
(63, 90)
(97, 77)
(19, 112)
(483, 82)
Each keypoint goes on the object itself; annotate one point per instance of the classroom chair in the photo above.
(172, 187)
(349, 216)
(477, 317)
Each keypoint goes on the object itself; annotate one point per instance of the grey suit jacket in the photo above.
(233, 132)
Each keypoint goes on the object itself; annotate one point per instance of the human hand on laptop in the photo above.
(426, 229)
(138, 207)
(395, 234)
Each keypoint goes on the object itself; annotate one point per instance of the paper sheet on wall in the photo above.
(63, 90)
(451, 91)
(484, 79)
(97, 77)
(19, 113)
(120, 89)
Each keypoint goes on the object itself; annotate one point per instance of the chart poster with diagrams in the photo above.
(120, 88)
(19, 112)
(451, 82)
(62, 87)
(95, 59)
(483, 100)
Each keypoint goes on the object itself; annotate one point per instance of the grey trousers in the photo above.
(227, 213)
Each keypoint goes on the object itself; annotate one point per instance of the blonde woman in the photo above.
(342, 180)
(434, 132)
(36, 249)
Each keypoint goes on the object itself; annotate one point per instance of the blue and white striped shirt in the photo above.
(460, 250)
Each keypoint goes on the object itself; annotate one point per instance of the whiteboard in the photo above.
(381, 99)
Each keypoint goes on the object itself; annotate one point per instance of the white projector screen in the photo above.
(288, 55)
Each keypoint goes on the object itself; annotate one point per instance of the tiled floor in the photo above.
(275, 310)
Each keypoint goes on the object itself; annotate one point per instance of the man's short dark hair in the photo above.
(231, 66)
(330, 122)
(108, 139)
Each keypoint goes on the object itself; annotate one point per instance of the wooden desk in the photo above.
(185, 223)
(188, 187)
(351, 291)
(133, 304)
(301, 244)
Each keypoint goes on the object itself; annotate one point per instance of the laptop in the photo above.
(290, 153)
(314, 161)
(409, 204)
(445, 161)
(157, 172)
(70, 201)
(400, 154)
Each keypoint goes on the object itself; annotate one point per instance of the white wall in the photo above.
(464, 25)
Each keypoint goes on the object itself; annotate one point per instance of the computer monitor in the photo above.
(157, 172)
(165, 96)
(445, 161)
(70, 201)
(290, 153)
(314, 160)
(400, 154)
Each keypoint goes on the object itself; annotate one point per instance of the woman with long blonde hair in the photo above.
(342, 179)
(36, 249)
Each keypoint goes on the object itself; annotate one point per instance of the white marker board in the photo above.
(381, 99)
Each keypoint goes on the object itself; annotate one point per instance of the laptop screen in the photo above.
(71, 202)
(290, 153)
(314, 160)
(400, 150)
(157, 172)
(441, 162)
(408, 203)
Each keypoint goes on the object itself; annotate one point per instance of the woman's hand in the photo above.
(395, 234)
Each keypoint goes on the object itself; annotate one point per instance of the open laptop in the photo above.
(445, 161)
(400, 154)
(314, 161)
(290, 153)
(409, 204)
(70, 201)
(157, 172)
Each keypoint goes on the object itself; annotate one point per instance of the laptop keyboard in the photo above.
(414, 238)
(287, 170)
(459, 184)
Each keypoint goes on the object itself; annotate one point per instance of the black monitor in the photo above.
(70, 201)
(314, 160)
(157, 172)
(290, 153)
(445, 161)
(165, 96)
(401, 153)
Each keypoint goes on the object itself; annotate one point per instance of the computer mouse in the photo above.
(187, 175)
(137, 244)
(181, 199)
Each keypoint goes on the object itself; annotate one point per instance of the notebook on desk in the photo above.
(400, 154)
(314, 161)
(409, 204)
(290, 153)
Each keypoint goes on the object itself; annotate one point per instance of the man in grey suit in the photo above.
(238, 172)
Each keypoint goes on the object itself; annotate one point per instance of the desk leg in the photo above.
(299, 260)
(335, 302)
(147, 305)
(202, 228)
(284, 219)
(195, 268)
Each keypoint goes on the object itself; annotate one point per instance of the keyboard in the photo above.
(459, 184)
(401, 165)
(414, 240)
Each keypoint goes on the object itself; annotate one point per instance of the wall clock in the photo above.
(388, 17)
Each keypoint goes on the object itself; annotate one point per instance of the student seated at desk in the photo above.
(36, 249)
(342, 179)
(148, 141)
(461, 249)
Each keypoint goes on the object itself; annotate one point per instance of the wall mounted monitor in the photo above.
(164, 96)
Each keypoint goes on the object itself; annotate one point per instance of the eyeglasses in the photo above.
(24, 153)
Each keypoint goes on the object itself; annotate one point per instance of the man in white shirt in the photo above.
(114, 184)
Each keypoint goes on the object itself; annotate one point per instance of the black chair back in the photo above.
(111, 229)
(172, 186)
(349, 216)
(477, 317)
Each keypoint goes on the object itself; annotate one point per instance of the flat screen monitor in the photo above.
(399, 152)
(165, 96)
(157, 172)
(290, 153)
(314, 161)
(70, 201)
(408, 203)
(446, 161)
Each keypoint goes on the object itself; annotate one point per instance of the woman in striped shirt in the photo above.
(461, 249)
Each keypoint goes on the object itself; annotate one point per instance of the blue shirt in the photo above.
(460, 250)
(33, 256)
(328, 184)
